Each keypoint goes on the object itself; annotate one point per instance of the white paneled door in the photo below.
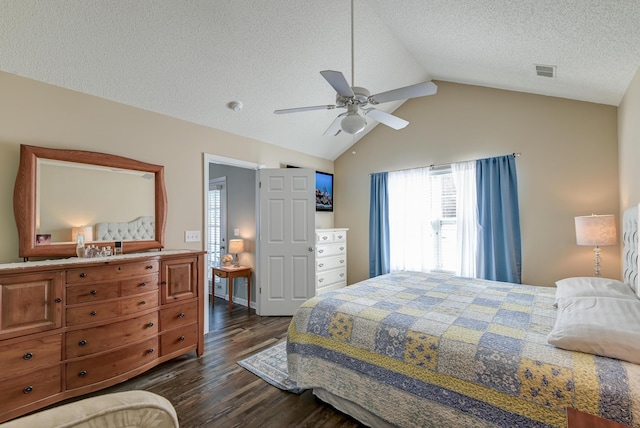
(287, 238)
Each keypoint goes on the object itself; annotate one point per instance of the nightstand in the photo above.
(578, 419)
(231, 273)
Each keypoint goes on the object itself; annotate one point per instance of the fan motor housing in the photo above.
(360, 98)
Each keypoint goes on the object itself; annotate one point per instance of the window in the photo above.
(422, 220)
(444, 224)
(216, 211)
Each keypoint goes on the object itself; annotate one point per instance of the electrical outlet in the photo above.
(191, 236)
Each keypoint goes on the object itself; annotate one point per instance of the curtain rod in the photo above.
(434, 166)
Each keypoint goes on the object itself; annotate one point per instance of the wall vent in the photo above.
(545, 70)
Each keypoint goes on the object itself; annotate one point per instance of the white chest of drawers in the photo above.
(331, 259)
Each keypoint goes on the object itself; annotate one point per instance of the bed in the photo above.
(414, 349)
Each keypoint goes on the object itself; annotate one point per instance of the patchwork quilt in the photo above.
(421, 349)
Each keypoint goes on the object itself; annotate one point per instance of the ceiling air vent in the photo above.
(546, 70)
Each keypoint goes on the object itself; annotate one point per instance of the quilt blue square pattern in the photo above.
(480, 343)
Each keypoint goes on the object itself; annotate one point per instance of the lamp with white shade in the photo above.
(236, 246)
(598, 231)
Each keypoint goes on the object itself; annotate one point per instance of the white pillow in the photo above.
(600, 326)
(593, 286)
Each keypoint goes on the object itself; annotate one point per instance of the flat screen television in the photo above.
(324, 191)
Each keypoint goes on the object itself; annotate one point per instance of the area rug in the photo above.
(271, 366)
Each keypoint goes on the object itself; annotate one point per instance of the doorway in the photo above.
(229, 212)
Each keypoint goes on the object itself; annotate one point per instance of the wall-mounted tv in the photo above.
(324, 191)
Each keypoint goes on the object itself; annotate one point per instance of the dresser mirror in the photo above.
(108, 198)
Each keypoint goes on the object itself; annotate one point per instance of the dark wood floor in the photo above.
(214, 391)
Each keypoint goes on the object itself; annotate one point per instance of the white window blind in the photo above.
(215, 227)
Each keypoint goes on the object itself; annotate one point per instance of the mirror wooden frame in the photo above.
(24, 199)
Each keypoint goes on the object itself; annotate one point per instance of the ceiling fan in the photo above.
(355, 100)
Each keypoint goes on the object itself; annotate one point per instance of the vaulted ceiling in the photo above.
(190, 58)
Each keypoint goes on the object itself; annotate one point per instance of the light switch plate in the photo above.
(236, 232)
(191, 236)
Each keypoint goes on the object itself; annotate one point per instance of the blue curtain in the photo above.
(499, 250)
(379, 260)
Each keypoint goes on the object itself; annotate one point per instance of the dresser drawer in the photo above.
(112, 271)
(178, 338)
(139, 303)
(324, 279)
(33, 386)
(178, 315)
(330, 249)
(28, 355)
(142, 284)
(91, 292)
(324, 264)
(108, 365)
(324, 237)
(98, 339)
(93, 312)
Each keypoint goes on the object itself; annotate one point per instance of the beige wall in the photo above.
(568, 167)
(43, 115)
(629, 145)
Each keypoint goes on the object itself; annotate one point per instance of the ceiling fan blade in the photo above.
(334, 129)
(298, 109)
(339, 83)
(385, 118)
(412, 91)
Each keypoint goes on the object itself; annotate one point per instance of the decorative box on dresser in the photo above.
(73, 326)
(331, 259)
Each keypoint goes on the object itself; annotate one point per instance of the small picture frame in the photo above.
(43, 239)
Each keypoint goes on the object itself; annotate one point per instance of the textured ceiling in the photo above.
(189, 58)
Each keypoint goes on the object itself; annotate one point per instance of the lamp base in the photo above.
(597, 257)
(236, 262)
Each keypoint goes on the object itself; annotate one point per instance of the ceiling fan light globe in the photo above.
(353, 123)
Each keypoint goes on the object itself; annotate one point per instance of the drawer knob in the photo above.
(341, 248)
(83, 275)
(150, 351)
(321, 251)
(149, 267)
(143, 284)
(339, 236)
(341, 275)
(321, 280)
(94, 292)
(82, 342)
(28, 356)
(181, 339)
(341, 261)
(58, 300)
(94, 313)
(181, 315)
(324, 237)
(321, 265)
(28, 389)
(82, 373)
(150, 324)
(144, 302)
(164, 283)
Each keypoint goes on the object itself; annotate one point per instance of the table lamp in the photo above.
(236, 246)
(596, 230)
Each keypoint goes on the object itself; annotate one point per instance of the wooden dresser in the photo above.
(73, 326)
(331, 259)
